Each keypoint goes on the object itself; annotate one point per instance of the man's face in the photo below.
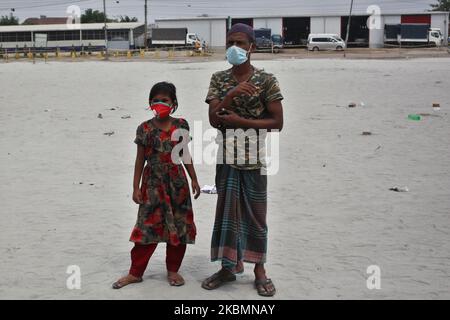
(240, 40)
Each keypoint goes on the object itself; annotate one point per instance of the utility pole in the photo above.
(146, 26)
(348, 26)
(106, 30)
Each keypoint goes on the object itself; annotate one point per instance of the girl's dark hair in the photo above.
(166, 88)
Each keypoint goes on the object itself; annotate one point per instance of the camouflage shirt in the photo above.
(249, 107)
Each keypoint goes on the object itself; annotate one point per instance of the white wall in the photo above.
(326, 25)
(212, 31)
(333, 25)
(392, 19)
(219, 33)
(276, 24)
(441, 21)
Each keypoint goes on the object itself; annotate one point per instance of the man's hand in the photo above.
(137, 196)
(229, 119)
(244, 88)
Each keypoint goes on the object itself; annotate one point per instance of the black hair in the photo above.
(166, 88)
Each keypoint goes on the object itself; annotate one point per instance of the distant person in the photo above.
(242, 97)
(165, 209)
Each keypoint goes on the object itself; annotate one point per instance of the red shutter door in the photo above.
(418, 18)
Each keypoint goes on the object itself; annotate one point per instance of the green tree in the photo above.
(128, 19)
(442, 5)
(94, 16)
(9, 20)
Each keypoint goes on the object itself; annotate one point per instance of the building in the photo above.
(296, 28)
(67, 36)
(45, 20)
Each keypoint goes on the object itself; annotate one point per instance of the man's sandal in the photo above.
(261, 286)
(218, 279)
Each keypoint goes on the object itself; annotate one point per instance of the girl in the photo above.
(165, 210)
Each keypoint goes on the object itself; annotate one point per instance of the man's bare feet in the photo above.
(175, 279)
(239, 268)
(124, 281)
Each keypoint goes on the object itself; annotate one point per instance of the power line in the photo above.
(249, 4)
(42, 5)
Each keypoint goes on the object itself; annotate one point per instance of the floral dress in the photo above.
(166, 213)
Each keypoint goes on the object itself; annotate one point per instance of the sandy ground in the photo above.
(331, 213)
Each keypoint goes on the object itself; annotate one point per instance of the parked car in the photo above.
(318, 42)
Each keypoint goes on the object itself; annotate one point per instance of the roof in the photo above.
(61, 27)
(291, 16)
(45, 20)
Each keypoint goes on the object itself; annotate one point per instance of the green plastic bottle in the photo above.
(414, 117)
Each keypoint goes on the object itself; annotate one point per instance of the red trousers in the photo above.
(141, 253)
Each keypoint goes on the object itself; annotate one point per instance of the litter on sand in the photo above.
(399, 189)
(436, 106)
(414, 117)
(109, 133)
(209, 189)
(429, 115)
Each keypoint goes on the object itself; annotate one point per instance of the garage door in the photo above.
(417, 18)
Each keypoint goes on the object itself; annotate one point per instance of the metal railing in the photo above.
(52, 53)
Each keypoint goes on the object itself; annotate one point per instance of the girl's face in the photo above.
(162, 98)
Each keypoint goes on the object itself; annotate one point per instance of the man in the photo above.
(249, 99)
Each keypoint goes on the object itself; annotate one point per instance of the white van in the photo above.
(325, 41)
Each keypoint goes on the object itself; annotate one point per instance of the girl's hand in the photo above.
(195, 189)
(137, 196)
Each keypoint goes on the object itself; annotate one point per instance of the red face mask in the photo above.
(161, 110)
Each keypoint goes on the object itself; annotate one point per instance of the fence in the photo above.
(155, 53)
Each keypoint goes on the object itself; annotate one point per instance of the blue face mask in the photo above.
(236, 56)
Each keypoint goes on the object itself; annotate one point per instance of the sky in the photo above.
(192, 8)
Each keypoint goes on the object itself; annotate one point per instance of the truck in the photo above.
(265, 40)
(169, 37)
(413, 34)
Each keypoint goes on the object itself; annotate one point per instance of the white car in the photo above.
(318, 42)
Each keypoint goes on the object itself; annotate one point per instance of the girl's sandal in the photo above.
(173, 281)
(265, 287)
(218, 279)
(119, 285)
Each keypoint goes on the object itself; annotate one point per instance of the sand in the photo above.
(66, 186)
